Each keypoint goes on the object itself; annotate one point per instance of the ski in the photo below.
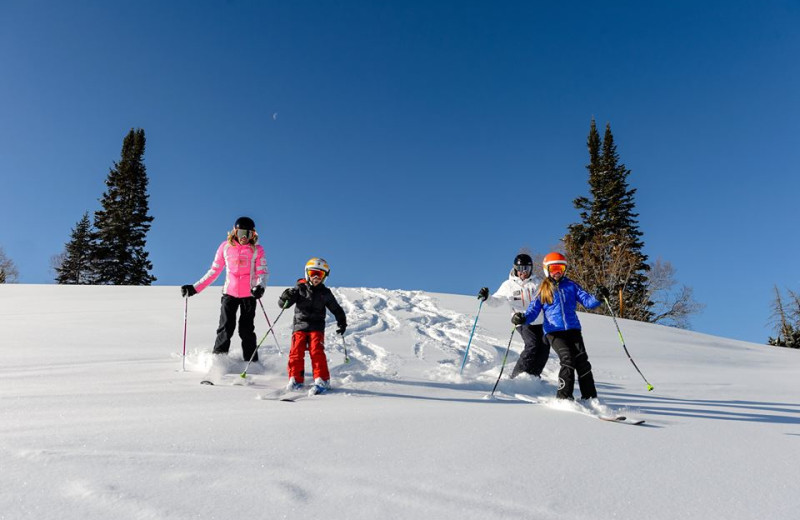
(207, 382)
(283, 394)
(583, 410)
(290, 396)
(622, 420)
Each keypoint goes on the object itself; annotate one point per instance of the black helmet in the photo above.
(245, 223)
(523, 263)
(523, 259)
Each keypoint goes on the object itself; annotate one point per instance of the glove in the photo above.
(341, 329)
(286, 298)
(518, 318)
(483, 294)
(257, 292)
(188, 290)
(602, 292)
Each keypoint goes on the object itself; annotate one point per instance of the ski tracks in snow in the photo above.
(389, 331)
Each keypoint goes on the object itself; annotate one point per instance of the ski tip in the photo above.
(206, 382)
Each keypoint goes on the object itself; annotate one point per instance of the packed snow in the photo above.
(104, 418)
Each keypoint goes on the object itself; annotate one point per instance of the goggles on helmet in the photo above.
(245, 233)
(319, 273)
(556, 269)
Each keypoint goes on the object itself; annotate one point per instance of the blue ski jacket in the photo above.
(561, 315)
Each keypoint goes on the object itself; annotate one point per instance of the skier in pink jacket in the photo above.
(245, 281)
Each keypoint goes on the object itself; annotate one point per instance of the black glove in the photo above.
(518, 318)
(483, 294)
(188, 290)
(286, 298)
(257, 292)
(602, 292)
(341, 329)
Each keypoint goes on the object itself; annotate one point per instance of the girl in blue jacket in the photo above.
(558, 297)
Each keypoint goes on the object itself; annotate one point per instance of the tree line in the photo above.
(605, 247)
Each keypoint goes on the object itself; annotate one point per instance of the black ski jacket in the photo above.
(312, 302)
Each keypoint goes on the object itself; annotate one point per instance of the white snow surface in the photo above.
(98, 419)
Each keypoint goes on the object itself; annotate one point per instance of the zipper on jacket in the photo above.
(563, 314)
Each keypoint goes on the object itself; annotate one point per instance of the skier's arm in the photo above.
(216, 268)
(337, 311)
(504, 294)
(586, 299)
(262, 272)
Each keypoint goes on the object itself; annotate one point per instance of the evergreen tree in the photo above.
(75, 267)
(118, 252)
(608, 234)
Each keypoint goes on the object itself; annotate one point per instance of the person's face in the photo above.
(524, 272)
(244, 235)
(315, 276)
(557, 271)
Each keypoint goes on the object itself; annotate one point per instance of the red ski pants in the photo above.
(314, 342)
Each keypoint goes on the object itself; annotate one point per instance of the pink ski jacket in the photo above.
(246, 268)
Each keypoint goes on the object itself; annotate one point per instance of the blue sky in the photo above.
(415, 145)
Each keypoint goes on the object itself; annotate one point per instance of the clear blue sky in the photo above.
(417, 145)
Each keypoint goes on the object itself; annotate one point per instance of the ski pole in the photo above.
(466, 352)
(243, 375)
(619, 332)
(346, 358)
(270, 327)
(185, 316)
(503, 366)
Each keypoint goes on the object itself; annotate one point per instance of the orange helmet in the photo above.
(553, 259)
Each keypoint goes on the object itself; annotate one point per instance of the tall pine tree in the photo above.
(76, 267)
(605, 248)
(118, 252)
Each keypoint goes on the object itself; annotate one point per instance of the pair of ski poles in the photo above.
(466, 351)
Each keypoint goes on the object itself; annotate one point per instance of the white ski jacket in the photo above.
(517, 293)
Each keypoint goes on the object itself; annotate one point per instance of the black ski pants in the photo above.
(536, 352)
(227, 324)
(571, 351)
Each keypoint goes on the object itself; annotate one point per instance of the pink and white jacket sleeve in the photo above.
(216, 268)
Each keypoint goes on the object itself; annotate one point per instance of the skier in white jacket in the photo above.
(518, 291)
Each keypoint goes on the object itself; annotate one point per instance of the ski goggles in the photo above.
(319, 273)
(524, 268)
(556, 269)
(245, 233)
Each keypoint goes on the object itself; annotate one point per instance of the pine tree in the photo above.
(608, 240)
(118, 252)
(75, 266)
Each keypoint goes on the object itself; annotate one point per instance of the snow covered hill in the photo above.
(99, 420)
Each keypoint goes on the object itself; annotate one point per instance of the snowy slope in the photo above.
(98, 420)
